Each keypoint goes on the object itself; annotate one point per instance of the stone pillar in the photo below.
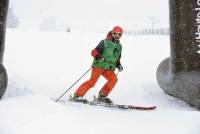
(179, 75)
(3, 74)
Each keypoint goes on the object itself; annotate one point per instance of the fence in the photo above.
(158, 31)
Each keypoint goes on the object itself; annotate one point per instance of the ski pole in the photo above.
(73, 84)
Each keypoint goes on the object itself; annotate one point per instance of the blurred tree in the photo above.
(12, 20)
(48, 24)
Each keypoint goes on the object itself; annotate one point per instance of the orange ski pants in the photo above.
(96, 73)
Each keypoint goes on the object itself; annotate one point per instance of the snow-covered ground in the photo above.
(43, 65)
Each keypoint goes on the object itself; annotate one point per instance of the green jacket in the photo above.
(111, 53)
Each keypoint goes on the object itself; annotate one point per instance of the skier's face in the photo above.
(116, 35)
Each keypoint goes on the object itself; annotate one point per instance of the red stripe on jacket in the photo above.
(94, 53)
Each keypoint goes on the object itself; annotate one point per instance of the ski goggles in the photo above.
(117, 34)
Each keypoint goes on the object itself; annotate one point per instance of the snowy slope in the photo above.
(42, 65)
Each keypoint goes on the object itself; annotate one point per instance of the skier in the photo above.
(107, 56)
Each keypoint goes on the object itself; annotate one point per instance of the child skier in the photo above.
(107, 56)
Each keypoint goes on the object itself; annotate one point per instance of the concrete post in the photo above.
(179, 75)
(3, 74)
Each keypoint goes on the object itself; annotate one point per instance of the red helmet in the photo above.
(117, 29)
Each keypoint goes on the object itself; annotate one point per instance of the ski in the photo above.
(112, 105)
(119, 106)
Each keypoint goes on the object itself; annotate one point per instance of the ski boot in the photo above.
(104, 99)
(77, 98)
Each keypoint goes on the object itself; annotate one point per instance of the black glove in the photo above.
(99, 58)
(119, 67)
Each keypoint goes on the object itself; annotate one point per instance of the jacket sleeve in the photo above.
(99, 49)
(118, 61)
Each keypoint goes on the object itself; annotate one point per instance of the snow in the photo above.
(43, 65)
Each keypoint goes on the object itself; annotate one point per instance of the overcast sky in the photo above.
(93, 13)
